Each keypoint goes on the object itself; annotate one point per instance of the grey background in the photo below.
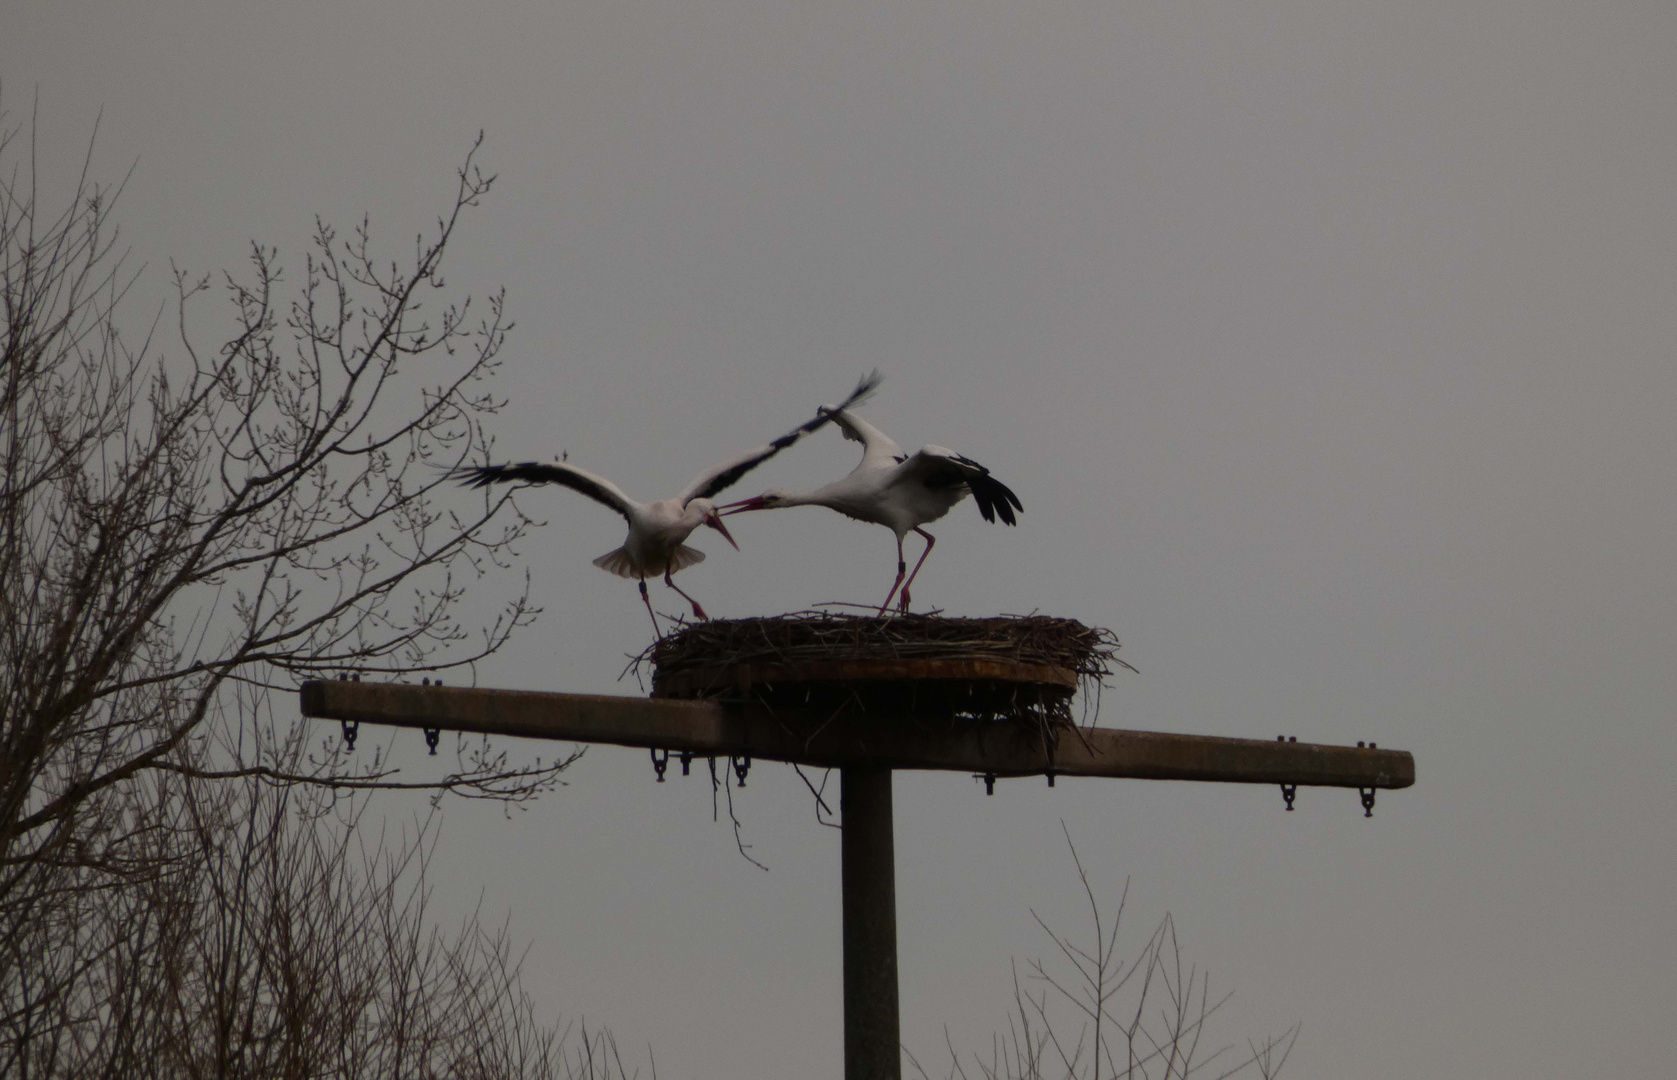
(1329, 347)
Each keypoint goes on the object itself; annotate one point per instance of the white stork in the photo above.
(898, 491)
(657, 529)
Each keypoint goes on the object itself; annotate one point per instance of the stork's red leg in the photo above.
(647, 600)
(697, 610)
(930, 540)
(902, 567)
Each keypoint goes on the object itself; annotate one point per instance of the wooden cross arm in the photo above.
(710, 729)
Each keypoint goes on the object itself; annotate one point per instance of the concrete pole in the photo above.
(872, 1039)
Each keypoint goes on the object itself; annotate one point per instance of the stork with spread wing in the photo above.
(658, 531)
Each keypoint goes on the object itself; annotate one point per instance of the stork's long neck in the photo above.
(840, 495)
(696, 512)
(832, 496)
(803, 498)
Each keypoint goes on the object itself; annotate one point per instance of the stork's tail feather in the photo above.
(683, 557)
(617, 562)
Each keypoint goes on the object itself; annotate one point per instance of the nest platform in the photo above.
(905, 667)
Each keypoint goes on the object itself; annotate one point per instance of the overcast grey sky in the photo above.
(1329, 347)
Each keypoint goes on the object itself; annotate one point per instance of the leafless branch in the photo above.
(274, 935)
(1136, 1017)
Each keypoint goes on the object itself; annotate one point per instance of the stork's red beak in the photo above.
(715, 522)
(753, 503)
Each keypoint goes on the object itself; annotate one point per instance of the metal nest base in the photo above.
(1022, 668)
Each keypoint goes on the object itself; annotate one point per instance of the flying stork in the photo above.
(657, 529)
(896, 490)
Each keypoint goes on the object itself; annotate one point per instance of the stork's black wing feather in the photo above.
(595, 487)
(939, 469)
(715, 481)
(993, 497)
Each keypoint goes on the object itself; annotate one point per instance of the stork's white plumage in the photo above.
(899, 491)
(658, 530)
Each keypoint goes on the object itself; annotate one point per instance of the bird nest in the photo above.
(1023, 668)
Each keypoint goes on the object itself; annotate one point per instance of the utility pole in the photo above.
(866, 759)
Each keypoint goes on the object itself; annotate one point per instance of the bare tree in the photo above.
(240, 516)
(1097, 1013)
(271, 933)
(182, 535)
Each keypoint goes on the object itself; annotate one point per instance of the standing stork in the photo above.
(898, 491)
(657, 530)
